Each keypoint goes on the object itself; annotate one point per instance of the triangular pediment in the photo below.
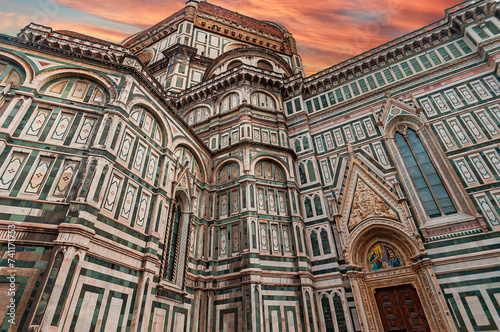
(393, 107)
(366, 203)
(365, 195)
(183, 181)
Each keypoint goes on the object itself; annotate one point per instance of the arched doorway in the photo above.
(394, 284)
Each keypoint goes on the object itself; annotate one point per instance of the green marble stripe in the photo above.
(114, 294)
(112, 266)
(284, 298)
(325, 271)
(122, 227)
(472, 283)
(474, 238)
(108, 278)
(236, 299)
(464, 251)
(45, 147)
(467, 273)
(324, 261)
(119, 240)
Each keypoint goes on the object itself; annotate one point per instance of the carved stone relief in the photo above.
(367, 203)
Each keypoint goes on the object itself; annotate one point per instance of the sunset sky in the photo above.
(327, 32)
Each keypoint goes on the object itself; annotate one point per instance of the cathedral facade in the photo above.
(193, 178)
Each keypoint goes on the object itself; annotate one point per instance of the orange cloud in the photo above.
(327, 32)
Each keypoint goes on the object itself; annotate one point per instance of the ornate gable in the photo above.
(365, 196)
(183, 181)
(367, 203)
(392, 108)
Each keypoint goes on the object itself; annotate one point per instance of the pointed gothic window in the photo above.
(325, 243)
(327, 313)
(426, 180)
(315, 244)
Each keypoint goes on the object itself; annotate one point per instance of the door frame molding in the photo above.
(418, 272)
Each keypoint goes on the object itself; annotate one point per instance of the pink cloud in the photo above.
(327, 32)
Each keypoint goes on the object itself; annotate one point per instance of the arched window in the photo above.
(230, 102)
(147, 122)
(11, 73)
(327, 313)
(77, 89)
(263, 100)
(339, 313)
(229, 173)
(315, 244)
(254, 236)
(100, 184)
(185, 155)
(269, 170)
(88, 179)
(430, 188)
(257, 307)
(173, 238)
(104, 133)
(234, 64)
(264, 65)
(115, 136)
(309, 311)
(197, 115)
(325, 242)
(64, 295)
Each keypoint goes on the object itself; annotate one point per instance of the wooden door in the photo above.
(400, 309)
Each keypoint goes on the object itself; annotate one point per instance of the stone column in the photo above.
(366, 319)
(437, 302)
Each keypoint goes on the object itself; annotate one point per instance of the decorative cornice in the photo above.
(40, 34)
(247, 51)
(229, 78)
